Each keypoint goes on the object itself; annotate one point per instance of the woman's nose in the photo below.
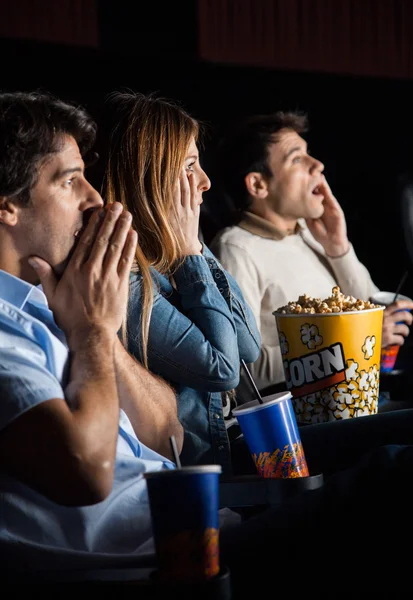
(204, 182)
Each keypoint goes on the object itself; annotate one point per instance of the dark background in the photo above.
(361, 124)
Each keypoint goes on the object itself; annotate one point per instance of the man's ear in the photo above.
(256, 185)
(8, 211)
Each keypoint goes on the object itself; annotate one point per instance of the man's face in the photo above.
(292, 191)
(61, 203)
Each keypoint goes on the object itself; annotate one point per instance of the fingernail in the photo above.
(33, 263)
(117, 207)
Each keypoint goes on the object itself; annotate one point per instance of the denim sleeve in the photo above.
(197, 347)
(249, 338)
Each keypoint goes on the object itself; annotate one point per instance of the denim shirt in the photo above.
(199, 332)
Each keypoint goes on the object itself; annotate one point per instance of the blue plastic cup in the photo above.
(184, 507)
(271, 433)
(389, 353)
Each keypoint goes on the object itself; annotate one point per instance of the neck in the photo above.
(11, 262)
(286, 225)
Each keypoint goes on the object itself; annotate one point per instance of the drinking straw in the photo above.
(401, 283)
(175, 451)
(260, 400)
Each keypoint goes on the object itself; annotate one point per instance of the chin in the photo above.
(60, 266)
(316, 211)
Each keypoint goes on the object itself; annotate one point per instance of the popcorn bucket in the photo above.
(332, 363)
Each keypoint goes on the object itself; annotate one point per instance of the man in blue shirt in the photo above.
(80, 419)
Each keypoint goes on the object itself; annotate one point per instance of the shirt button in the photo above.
(220, 448)
(217, 275)
(216, 415)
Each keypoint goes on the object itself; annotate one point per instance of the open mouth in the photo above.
(86, 218)
(317, 191)
(82, 226)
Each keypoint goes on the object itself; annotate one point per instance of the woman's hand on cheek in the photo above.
(187, 212)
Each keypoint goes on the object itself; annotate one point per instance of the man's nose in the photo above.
(93, 199)
(317, 165)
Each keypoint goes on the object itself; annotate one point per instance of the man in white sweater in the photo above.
(290, 235)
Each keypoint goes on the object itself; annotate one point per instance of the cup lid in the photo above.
(386, 298)
(190, 470)
(255, 405)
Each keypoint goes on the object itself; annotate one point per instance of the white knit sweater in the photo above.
(273, 269)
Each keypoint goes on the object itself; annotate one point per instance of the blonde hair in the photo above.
(148, 147)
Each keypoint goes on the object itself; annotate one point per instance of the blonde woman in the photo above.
(187, 318)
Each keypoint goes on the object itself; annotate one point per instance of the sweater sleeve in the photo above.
(352, 276)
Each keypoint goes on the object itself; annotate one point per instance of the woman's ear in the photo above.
(256, 185)
(8, 211)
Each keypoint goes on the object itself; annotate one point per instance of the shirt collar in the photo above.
(259, 226)
(18, 292)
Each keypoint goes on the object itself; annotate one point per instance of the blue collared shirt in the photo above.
(33, 369)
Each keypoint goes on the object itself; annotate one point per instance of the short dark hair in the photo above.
(31, 128)
(245, 149)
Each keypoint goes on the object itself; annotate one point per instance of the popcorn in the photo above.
(355, 397)
(336, 303)
(331, 366)
(352, 370)
(310, 336)
(368, 347)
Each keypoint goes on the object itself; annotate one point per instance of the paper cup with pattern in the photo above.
(332, 363)
(389, 353)
(271, 433)
(184, 509)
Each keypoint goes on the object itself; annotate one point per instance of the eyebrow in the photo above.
(195, 156)
(61, 174)
(295, 149)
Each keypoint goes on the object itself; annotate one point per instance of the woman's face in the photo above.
(192, 165)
